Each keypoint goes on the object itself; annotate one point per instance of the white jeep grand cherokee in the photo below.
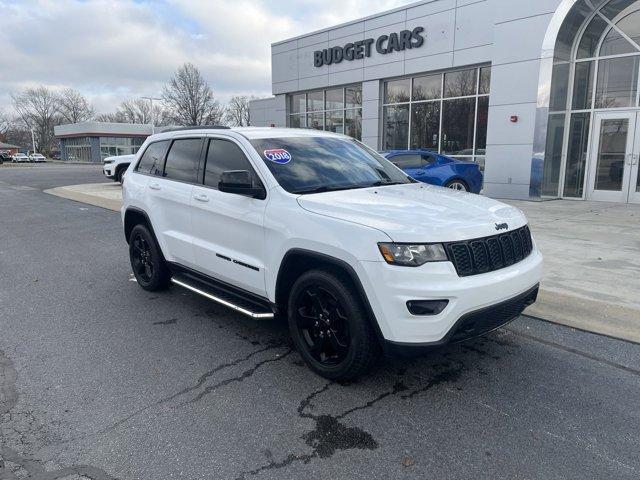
(319, 228)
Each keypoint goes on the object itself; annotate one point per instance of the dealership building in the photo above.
(543, 94)
(94, 141)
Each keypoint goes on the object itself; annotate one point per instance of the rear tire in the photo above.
(330, 327)
(457, 184)
(148, 265)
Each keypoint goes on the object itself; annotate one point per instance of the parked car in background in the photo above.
(436, 169)
(114, 167)
(56, 156)
(20, 158)
(37, 158)
(5, 157)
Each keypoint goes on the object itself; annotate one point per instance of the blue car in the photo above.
(435, 169)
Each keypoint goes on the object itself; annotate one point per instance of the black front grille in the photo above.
(482, 255)
(490, 318)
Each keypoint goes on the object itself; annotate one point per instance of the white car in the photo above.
(317, 227)
(114, 167)
(20, 158)
(37, 158)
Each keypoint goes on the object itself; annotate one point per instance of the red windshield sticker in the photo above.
(278, 155)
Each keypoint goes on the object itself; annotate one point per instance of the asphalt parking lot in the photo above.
(100, 379)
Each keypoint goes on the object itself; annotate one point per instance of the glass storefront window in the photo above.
(297, 121)
(425, 125)
(630, 25)
(559, 87)
(460, 83)
(427, 88)
(397, 91)
(583, 86)
(617, 82)
(334, 99)
(577, 154)
(553, 155)
(444, 125)
(337, 110)
(315, 121)
(396, 127)
(335, 121)
(353, 96)
(485, 81)
(482, 120)
(591, 37)
(315, 101)
(458, 120)
(298, 103)
(353, 122)
(615, 44)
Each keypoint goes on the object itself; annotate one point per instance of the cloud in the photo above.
(111, 50)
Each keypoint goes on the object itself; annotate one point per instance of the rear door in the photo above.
(228, 228)
(169, 198)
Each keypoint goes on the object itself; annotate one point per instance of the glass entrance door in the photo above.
(613, 171)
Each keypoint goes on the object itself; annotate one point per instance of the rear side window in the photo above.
(182, 160)
(151, 162)
(428, 159)
(222, 156)
(407, 161)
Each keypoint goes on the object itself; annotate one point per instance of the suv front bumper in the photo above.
(496, 297)
(109, 170)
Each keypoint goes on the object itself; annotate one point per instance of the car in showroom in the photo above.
(317, 228)
(20, 158)
(115, 167)
(37, 158)
(436, 169)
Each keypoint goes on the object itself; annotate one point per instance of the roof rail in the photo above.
(197, 127)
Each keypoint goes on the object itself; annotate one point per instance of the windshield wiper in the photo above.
(322, 189)
(380, 183)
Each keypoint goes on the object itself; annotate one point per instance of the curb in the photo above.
(588, 315)
(88, 198)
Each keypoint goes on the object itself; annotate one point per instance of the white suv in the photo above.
(115, 167)
(321, 229)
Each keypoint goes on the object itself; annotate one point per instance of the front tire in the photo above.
(120, 175)
(148, 265)
(330, 327)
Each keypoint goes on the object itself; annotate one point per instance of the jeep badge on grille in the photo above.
(502, 226)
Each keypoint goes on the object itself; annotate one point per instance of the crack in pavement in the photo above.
(33, 467)
(241, 378)
(331, 435)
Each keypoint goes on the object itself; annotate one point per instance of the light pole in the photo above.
(33, 141)
(151, 99)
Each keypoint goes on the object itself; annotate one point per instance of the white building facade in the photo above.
(544, 94)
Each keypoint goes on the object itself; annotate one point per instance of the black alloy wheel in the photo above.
(323, 325)
(330, 326)
(147, 263)
(141, 259)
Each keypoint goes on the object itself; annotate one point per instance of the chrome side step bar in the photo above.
(221, 301)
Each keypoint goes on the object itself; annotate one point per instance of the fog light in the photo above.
(426, 307)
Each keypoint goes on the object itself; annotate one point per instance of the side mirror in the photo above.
(240, 183)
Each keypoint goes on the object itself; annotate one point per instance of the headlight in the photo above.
(412, 255)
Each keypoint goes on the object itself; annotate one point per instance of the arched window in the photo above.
(601, 72)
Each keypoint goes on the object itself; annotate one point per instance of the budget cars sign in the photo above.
(394, 42)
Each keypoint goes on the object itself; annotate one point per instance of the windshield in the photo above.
(315, 164)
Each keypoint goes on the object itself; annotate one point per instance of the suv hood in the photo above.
(417, 212)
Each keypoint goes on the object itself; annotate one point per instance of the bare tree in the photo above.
(190, 100)
(38, 109)
(135, 111)
(237, 112)
(5, 123)
(73, 107)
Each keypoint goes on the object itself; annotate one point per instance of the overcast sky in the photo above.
(112, 50)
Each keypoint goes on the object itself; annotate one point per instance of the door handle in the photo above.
(634, 159)
(201, 197)
(154, 186)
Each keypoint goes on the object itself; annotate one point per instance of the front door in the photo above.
(613, 171)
